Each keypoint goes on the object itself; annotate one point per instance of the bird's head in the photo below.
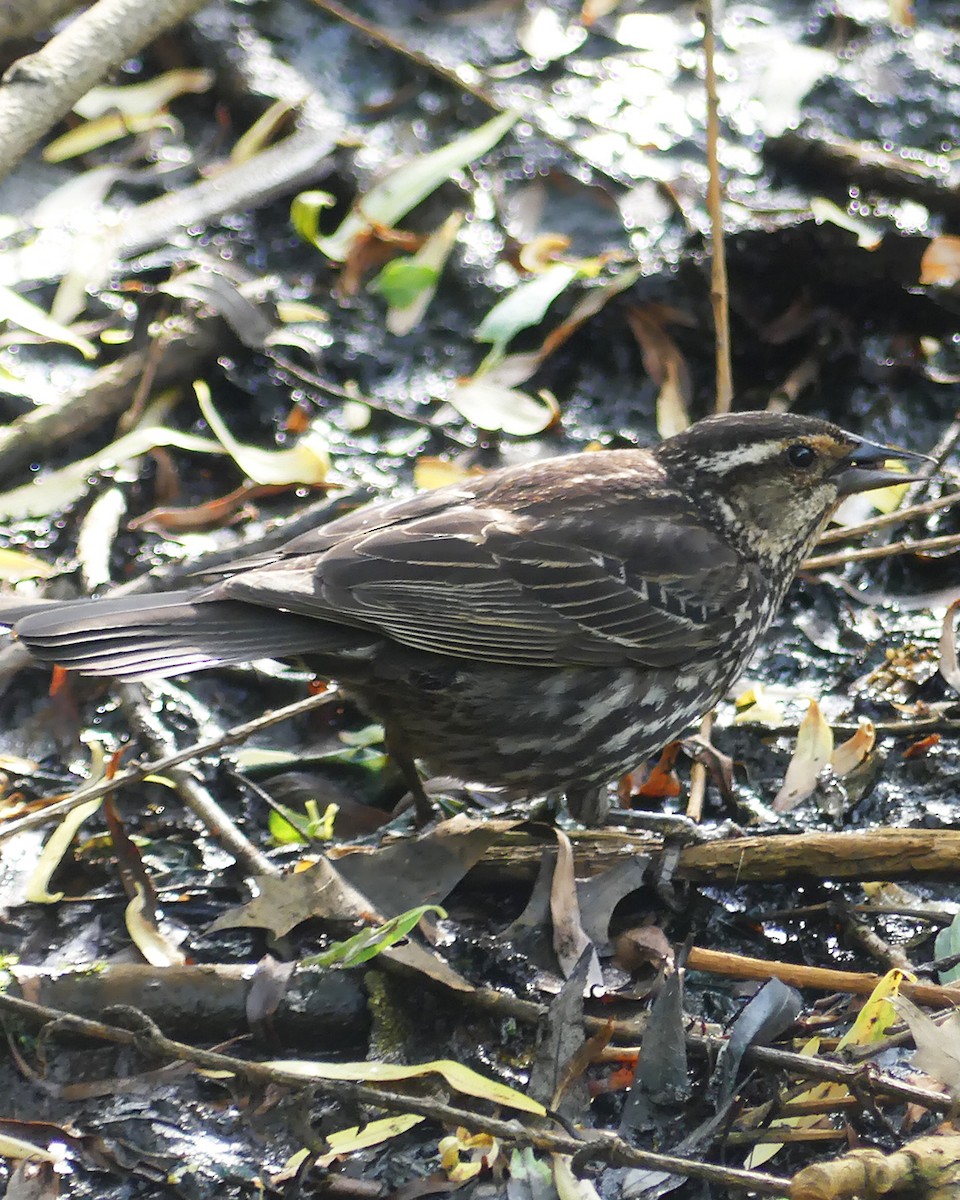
(771, 480)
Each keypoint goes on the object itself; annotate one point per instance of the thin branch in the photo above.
(143, 719)
(41, 88)
(821, 562)
(139, 771)
(699, 773)
(829, 979)
(719, 295)
(841, 534)
(603, 1148)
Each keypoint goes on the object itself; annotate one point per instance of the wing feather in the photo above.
(485, 585)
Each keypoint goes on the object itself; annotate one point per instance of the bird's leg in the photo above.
(402, 759)
(589, 804)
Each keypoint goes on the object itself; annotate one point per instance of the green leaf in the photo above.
(288, 827)
(402, 281)
(370, 942)
(305, 213)
(524, 305)
(433, 254)
(403, 189)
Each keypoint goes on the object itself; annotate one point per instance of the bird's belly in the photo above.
(535, 730)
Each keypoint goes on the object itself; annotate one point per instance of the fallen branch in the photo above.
(821, 562)
(602, 1148)
(871, 854)
(824, 979)
(41, 88)
(907, 513)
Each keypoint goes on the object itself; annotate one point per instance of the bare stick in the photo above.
(719, 296)
(40, 89)
(602, 1147)
(842, 533)
(698, 773)
(143, 719)
(820, 563)
(133, 774)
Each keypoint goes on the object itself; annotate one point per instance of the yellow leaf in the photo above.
(304, 462)
(458, 1076)
(15, 565)
(871, 1025)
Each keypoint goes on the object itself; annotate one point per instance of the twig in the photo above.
(139, 771)
(861, 934)
(143, 719)
(604, 1148)
(718, 257)
(184, 345)
(814, 1067)
(280, 169)
(41, 88)
(829, 979)
(822, 561)
(892, 518)
(698, 773)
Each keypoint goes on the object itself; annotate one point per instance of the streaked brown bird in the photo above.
(538, 628)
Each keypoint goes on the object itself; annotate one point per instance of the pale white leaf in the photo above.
(404, 188)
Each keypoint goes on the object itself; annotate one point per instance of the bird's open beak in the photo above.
(865, 467)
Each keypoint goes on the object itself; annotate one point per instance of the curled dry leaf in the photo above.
(812, 753)
(869, 236)
(15, 565)
(937, 1044)
(459, 1077)
(141, 99)
(155, 946)
(491, 405)
(430, 472)
(755, 706)
(37, 890)
(949, 667)
(854, 750)
(569, 939)
(940, 264)
(31, 317)
(304, 462)
(664, 364)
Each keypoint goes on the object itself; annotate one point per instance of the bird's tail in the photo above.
(134, 636)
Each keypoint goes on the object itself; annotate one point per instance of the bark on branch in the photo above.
(40, 89)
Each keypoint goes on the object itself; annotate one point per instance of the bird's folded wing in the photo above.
(475, 585)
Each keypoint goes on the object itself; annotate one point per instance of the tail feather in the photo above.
(165, 634)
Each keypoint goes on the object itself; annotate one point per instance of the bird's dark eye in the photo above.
(801, 455)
